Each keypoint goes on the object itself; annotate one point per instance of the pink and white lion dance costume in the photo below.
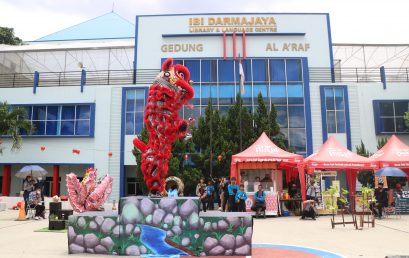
(88, 195)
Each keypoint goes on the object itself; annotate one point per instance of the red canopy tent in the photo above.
(264, 154)
(332, 155)
(394, 153)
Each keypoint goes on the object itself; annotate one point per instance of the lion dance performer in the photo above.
(169, 92)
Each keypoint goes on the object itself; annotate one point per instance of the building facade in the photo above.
(286, 57)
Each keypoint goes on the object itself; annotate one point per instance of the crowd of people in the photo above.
(230, 196)
(33, 196)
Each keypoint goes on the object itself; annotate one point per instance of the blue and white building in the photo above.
(85, 87)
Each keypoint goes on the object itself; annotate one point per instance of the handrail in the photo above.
(146, 76)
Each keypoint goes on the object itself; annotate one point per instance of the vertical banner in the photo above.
(234, 45)
(224, 46)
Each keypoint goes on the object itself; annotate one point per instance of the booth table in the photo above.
(271, 203)
(291, 200)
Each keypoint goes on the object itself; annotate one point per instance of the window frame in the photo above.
(378, 117)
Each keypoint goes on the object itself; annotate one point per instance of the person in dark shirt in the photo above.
(381, 197)
(232, 189)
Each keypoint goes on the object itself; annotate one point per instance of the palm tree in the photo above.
(12, 122)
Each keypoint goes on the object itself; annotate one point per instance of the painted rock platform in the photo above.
(160, 226)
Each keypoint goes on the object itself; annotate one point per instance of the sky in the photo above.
(352, 21)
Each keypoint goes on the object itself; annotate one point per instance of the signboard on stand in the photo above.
(403, 203)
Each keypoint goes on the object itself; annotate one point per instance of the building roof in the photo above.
(107, 26)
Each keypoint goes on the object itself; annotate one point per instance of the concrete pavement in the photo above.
(389, 237)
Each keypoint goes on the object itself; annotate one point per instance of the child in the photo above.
(260, 202)
(232, 189)
(241, 198)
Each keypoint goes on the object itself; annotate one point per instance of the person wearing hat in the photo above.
(381, 197)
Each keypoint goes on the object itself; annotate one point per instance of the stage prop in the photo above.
(88, 195)
(160, 226)
(168, 93)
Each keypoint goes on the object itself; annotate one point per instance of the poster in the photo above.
(271, 203)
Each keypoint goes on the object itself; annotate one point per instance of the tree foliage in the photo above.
(13, 121)
(7, 37)
(366, 178)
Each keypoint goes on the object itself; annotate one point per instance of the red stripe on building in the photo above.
(244, 44)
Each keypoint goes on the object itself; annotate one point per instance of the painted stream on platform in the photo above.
(154, 239)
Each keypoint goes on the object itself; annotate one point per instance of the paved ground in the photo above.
(389, 237)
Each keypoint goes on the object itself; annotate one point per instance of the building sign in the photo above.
(290, 47)
(169, 48)
(232, 24)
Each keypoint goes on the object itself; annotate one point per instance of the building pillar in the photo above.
(6, 180)
(56, 180)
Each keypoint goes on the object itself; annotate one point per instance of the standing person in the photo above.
(312, 190)
(232, 189)
(240, 199)
(221, 192)
(381, 200)
(225, 195)
(210, 195)
(260, 202)
(201, 193)
(28, 187)
(256, 183)
(34, 200)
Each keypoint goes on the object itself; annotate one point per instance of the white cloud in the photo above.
(352, 21)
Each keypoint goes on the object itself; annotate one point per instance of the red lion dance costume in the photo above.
(169, 92)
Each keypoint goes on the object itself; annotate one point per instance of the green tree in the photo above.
(275, 134)
(7, 37)
(238, 117)
(261, 118)
(366, 178)
(144, 137)
(381, 142)
(13, 121)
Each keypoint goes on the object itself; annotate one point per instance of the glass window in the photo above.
(82, 127)
(83, 112)
(282, 116)
(138, 122)
(329, 98)
(207, 92)
(194, 69)
(391, 116)
(226, 71)
(196, 98)
(295, 94)
(386, 109)
(39, 127)
(259, 70)
(190, 113)
(339, 99)
(209, 70)
(130, 100)
(277, 70)
(67, 127)
(226, 94)
(224, 110)
(294, 70)
(52, 128)
(297, 139)
(39, 112)
(67, 112)
(331, 123)
(129, 124)
(401, 107)
(140, 100)
(246, 69)
(387, 125)
(278, 94)
(52, 112)
(263, 89)
(28, 112)
(340, 115)
(296, 115)
(247, 96)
